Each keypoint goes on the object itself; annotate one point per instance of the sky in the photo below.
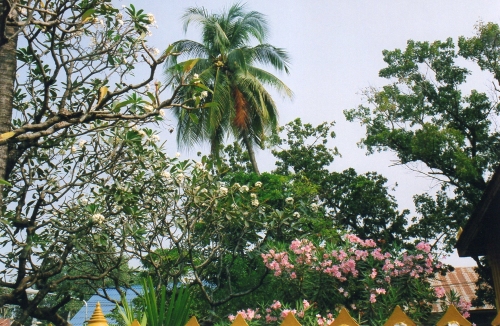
(336, 52)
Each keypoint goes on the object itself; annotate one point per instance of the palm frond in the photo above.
(241, 105)
(267, 78)
(268, 54)
(195, 14)
(251, 24)
(189, 49)
(239, 59)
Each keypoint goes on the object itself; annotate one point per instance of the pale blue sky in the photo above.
(336, 48)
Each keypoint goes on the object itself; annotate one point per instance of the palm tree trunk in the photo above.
(8, 66)
(251, 153)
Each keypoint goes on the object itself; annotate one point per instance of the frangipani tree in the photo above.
(69, 101)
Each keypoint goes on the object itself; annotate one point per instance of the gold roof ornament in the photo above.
(239, 321)
(496, 321)
(344, 319)
(399, 318)
(290, 320)
(453, 318)
(97, 318)
(193, 322)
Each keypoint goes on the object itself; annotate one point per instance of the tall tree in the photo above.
(8, 66)
(228, 64)
(68, 103)
(360, 203)
(438, 124)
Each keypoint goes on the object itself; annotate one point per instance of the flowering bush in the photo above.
(354, 273)
(276, 312)
(452, 298)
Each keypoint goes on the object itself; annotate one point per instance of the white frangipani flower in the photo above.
(223, 191)
(151, 18)
(180, 177)
(314, 207)
(166, 174)
(97, 218)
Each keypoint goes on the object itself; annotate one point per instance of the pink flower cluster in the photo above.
(274, 312)
(277, 262)
(248, 314)
(305, 251)
(369, 243)
(464, 306)
(440, 292)
(324, 320)
(343, 262)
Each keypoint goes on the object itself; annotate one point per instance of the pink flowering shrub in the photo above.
(451, 297)
(359, 275)
(274, 314)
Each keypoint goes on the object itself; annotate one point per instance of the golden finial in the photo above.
(290, 320)
(398, 317)
(97, 318)
(193, 322)
(239, 321)
(344, 319)
(452, 317)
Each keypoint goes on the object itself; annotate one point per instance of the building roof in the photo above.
(484, 224)
(85, 312)
(463, 281)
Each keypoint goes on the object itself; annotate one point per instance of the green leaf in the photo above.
(203, 87)
(209, 105)
(189, 64)
(87, 15)
(151, 97)
(122, 104)
(193, 117)
(169, 49)
(5, 183)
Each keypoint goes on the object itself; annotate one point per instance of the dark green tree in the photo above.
(361, 204)
(230, 66)
(437, 125)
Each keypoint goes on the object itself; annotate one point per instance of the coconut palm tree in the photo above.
(238, 103)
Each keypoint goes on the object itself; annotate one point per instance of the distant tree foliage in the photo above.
(436, 125)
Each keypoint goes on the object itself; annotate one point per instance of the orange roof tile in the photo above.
(463, 281)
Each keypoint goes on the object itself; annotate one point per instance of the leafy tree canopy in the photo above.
(438, 124)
